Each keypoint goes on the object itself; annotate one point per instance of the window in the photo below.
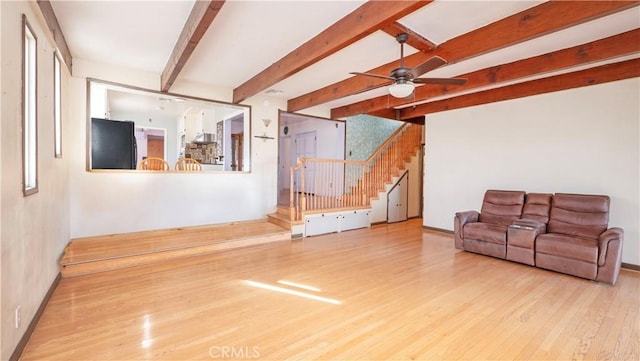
(29, 111)
(57, 107)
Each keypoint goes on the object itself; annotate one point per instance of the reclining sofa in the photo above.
(561, 232)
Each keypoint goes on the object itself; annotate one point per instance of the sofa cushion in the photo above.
(501, 207)
(579, 215)
(487, 232)
(578, 248)
(537, 206)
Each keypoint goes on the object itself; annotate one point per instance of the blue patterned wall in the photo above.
(366, 133)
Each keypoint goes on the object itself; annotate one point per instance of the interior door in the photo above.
(305, 147)
(285, 162)
(155, 146)
(397, 200)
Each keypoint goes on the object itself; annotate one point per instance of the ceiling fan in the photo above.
(405, 79)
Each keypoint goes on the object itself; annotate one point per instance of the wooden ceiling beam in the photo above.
(603, 49)
(540, 20)
(201, 16)
(58, 37)
(366, 19)
(415, 40)
(593, 76)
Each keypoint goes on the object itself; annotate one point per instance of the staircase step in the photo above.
(283, 210)
(280, 220)
(107, 253)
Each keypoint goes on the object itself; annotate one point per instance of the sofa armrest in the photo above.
(467, 217)
(610, 241)
(460, 219)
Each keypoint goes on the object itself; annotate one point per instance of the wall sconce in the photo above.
(264, 136)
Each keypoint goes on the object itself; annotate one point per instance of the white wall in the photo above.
(35, 229)
(117, 202)
(584, 140)
(330, 135)
(2, 315)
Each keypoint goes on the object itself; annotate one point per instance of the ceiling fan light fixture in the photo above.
(401, 90)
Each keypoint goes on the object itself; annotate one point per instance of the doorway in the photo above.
(303, 136)
(397, 200)
(151, 142)
(237, 151)
(155, 146)
(305, 147)
(285, 164)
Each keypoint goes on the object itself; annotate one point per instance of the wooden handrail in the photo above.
(330, 160)
(389, 140)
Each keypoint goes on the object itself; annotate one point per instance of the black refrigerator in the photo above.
(113, 144)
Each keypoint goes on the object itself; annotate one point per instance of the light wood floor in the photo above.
(106, 253)
(127, 244)
(392, 292)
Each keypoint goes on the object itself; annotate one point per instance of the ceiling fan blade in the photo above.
(446, 81)
(373, 75)
(427, 66)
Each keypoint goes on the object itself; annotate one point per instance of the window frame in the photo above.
(29, 109)
(57, 105)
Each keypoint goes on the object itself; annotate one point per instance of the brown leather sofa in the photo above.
(578, 241)
(486, 232)
(522, 233)
(566, 233)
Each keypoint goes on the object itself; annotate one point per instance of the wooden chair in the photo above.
(188, 164)
(153, 163)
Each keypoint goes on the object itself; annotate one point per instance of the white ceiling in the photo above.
(158, 105)
(248, 36)
(136, 34)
